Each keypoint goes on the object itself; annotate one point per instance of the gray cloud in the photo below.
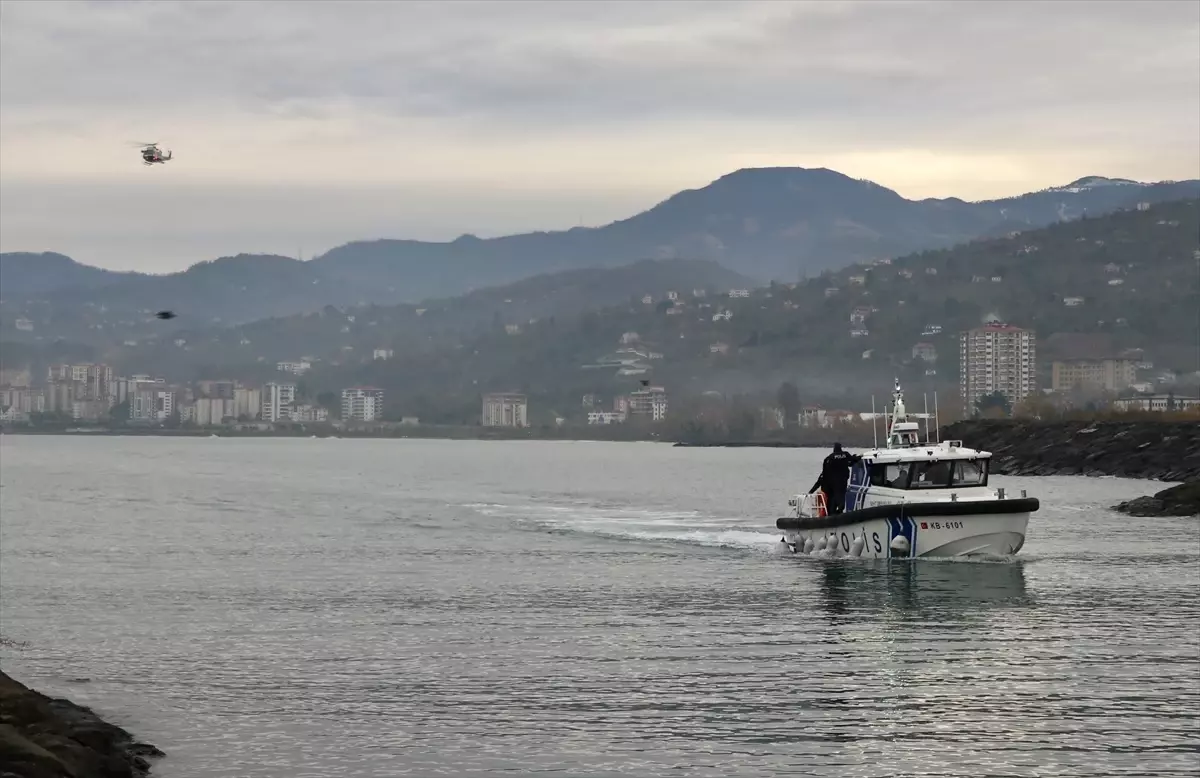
(1108, 87)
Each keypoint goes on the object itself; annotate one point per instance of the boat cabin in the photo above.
(926, 471)
(908, 464)
(905, 434)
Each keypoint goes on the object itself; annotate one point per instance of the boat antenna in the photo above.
(937, 425)
(925, 397)
(874, 426)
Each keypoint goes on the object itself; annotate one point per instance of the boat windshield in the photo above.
(893, 475)
(946, 474)
(968, 473)
(931, 475)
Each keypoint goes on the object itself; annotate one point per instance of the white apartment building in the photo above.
(127, 387)
(651, 401)
(362, 403)
(277, 401)
(997, 358)
(505, 410)
(310, 413)
(92, 382)
(151, 402)
(23, 399)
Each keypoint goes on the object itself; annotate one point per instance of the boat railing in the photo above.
(811, 504)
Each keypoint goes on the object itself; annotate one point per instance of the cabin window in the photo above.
(930, 475)
(893, 475)
(968, 473)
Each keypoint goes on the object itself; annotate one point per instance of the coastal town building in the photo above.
(505, 409)
(1110, 375)
(1158, 403)
(277, 402)
(650, 402)
(362, 403)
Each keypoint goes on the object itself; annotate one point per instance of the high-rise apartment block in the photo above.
(997, 358)
(277, 402)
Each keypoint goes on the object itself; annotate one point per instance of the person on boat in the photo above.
(835, 474)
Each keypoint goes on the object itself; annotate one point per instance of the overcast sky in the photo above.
(302, 125)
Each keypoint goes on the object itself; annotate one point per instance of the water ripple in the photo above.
(427, 608)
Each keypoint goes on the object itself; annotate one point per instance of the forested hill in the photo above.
(1127, 280)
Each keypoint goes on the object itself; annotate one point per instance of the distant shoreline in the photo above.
(824, 439)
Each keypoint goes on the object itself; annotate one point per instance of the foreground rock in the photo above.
(1181, 500)
(42, 737)
(1163, 451)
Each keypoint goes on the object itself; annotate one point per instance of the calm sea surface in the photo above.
(323, 608)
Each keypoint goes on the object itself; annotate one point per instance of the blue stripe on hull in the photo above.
(902, 527)
(856, 493)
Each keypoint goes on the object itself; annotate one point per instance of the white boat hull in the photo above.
(912, 535)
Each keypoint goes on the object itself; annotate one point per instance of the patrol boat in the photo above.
(912, 499)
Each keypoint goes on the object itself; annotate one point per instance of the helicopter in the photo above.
(151, 153)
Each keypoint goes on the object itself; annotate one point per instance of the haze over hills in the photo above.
(551, 294)
(765, 223)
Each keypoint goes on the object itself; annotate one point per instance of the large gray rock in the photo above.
(1181, 500)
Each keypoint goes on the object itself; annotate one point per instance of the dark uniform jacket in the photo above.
(835, 470)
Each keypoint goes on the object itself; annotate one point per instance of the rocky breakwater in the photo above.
(1163, 451)
(41, 737)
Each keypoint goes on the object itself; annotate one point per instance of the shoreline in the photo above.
(1150, 450)
(822, 439)
(48, 737)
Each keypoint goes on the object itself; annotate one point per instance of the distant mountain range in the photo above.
(764, 223)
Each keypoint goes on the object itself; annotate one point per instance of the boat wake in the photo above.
(639, 524)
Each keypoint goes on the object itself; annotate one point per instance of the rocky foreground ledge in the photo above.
(41, 737)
